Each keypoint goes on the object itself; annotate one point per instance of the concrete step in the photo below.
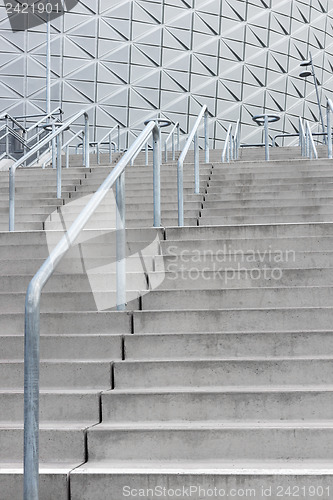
(59, 375)
(249, 231)
(222, 277)
(70, 323)
(53, 302)
(199, 479)
(234, 320)
(269, 211)
(73, 283)
(261, 195)
(63, 444)
(237, 372)
(209, 220)
(89, 347)
(181, 346)
(243, 298)
(216, 405)
(55, 406)
(223, 441)
(268, 187)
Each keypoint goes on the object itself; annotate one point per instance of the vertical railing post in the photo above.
(86, 141)
(7, 136)
(166, 151)
(98, 155)
(173, 146)
(37, 142)
(118, 138)
(54, 152)
(196, 165)
(178, 137)
(329, 131)
(157, 175)
(31, 399)
(67, 156)
(110, 148)
(266, 138)
(121, 243)
(147, 153)
(59, 187)
(180, 192)
(206, 137)
(231, 156)
(11, 199)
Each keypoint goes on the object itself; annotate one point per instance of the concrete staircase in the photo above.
(219, 377)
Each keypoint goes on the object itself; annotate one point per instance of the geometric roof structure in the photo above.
(135, 59)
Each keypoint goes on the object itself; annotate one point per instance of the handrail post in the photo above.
(147, 153)
(59, 166)
(7, 136)
(266, 138)
(178, 137)
(196, 164)
(121, 243)
(231, 156)
(54, 154)
(166, 151)
(329, 131)
(98, 155)
(157, 175)
(31, 398)
(11, 199)
(173, 146)
(206, 137)
(180, 191)
(86, 141)
(67, 156)
(110, 148)
(118, 138)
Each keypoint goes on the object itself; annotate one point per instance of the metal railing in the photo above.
(310, 147)
(55, 135)
(329, 111)
(232, 144)
(302, 137)
(33, 297)
(98, 145)
(193, 136)
(175, 130)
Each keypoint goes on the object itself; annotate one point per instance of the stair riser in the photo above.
(53, 408)
(55, 446)
(217, 407)
(227, 346)
(223, 444)
(225, 373)
(243, 320)
(69, 347)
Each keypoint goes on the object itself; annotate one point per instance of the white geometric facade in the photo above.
(135, 59)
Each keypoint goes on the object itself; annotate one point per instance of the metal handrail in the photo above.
(180, 166)
(67, 145)
(55, 135)
(33, 297)
(109, 136)
(172, 135)
(227, 150)
(45, 117)
(302, 137)
(329, 127)
(236, 141)
(311, 150)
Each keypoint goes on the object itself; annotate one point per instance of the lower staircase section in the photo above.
(217, 382)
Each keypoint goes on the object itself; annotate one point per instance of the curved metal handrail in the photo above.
(33, 297)
(180, 166)
(311, 150)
